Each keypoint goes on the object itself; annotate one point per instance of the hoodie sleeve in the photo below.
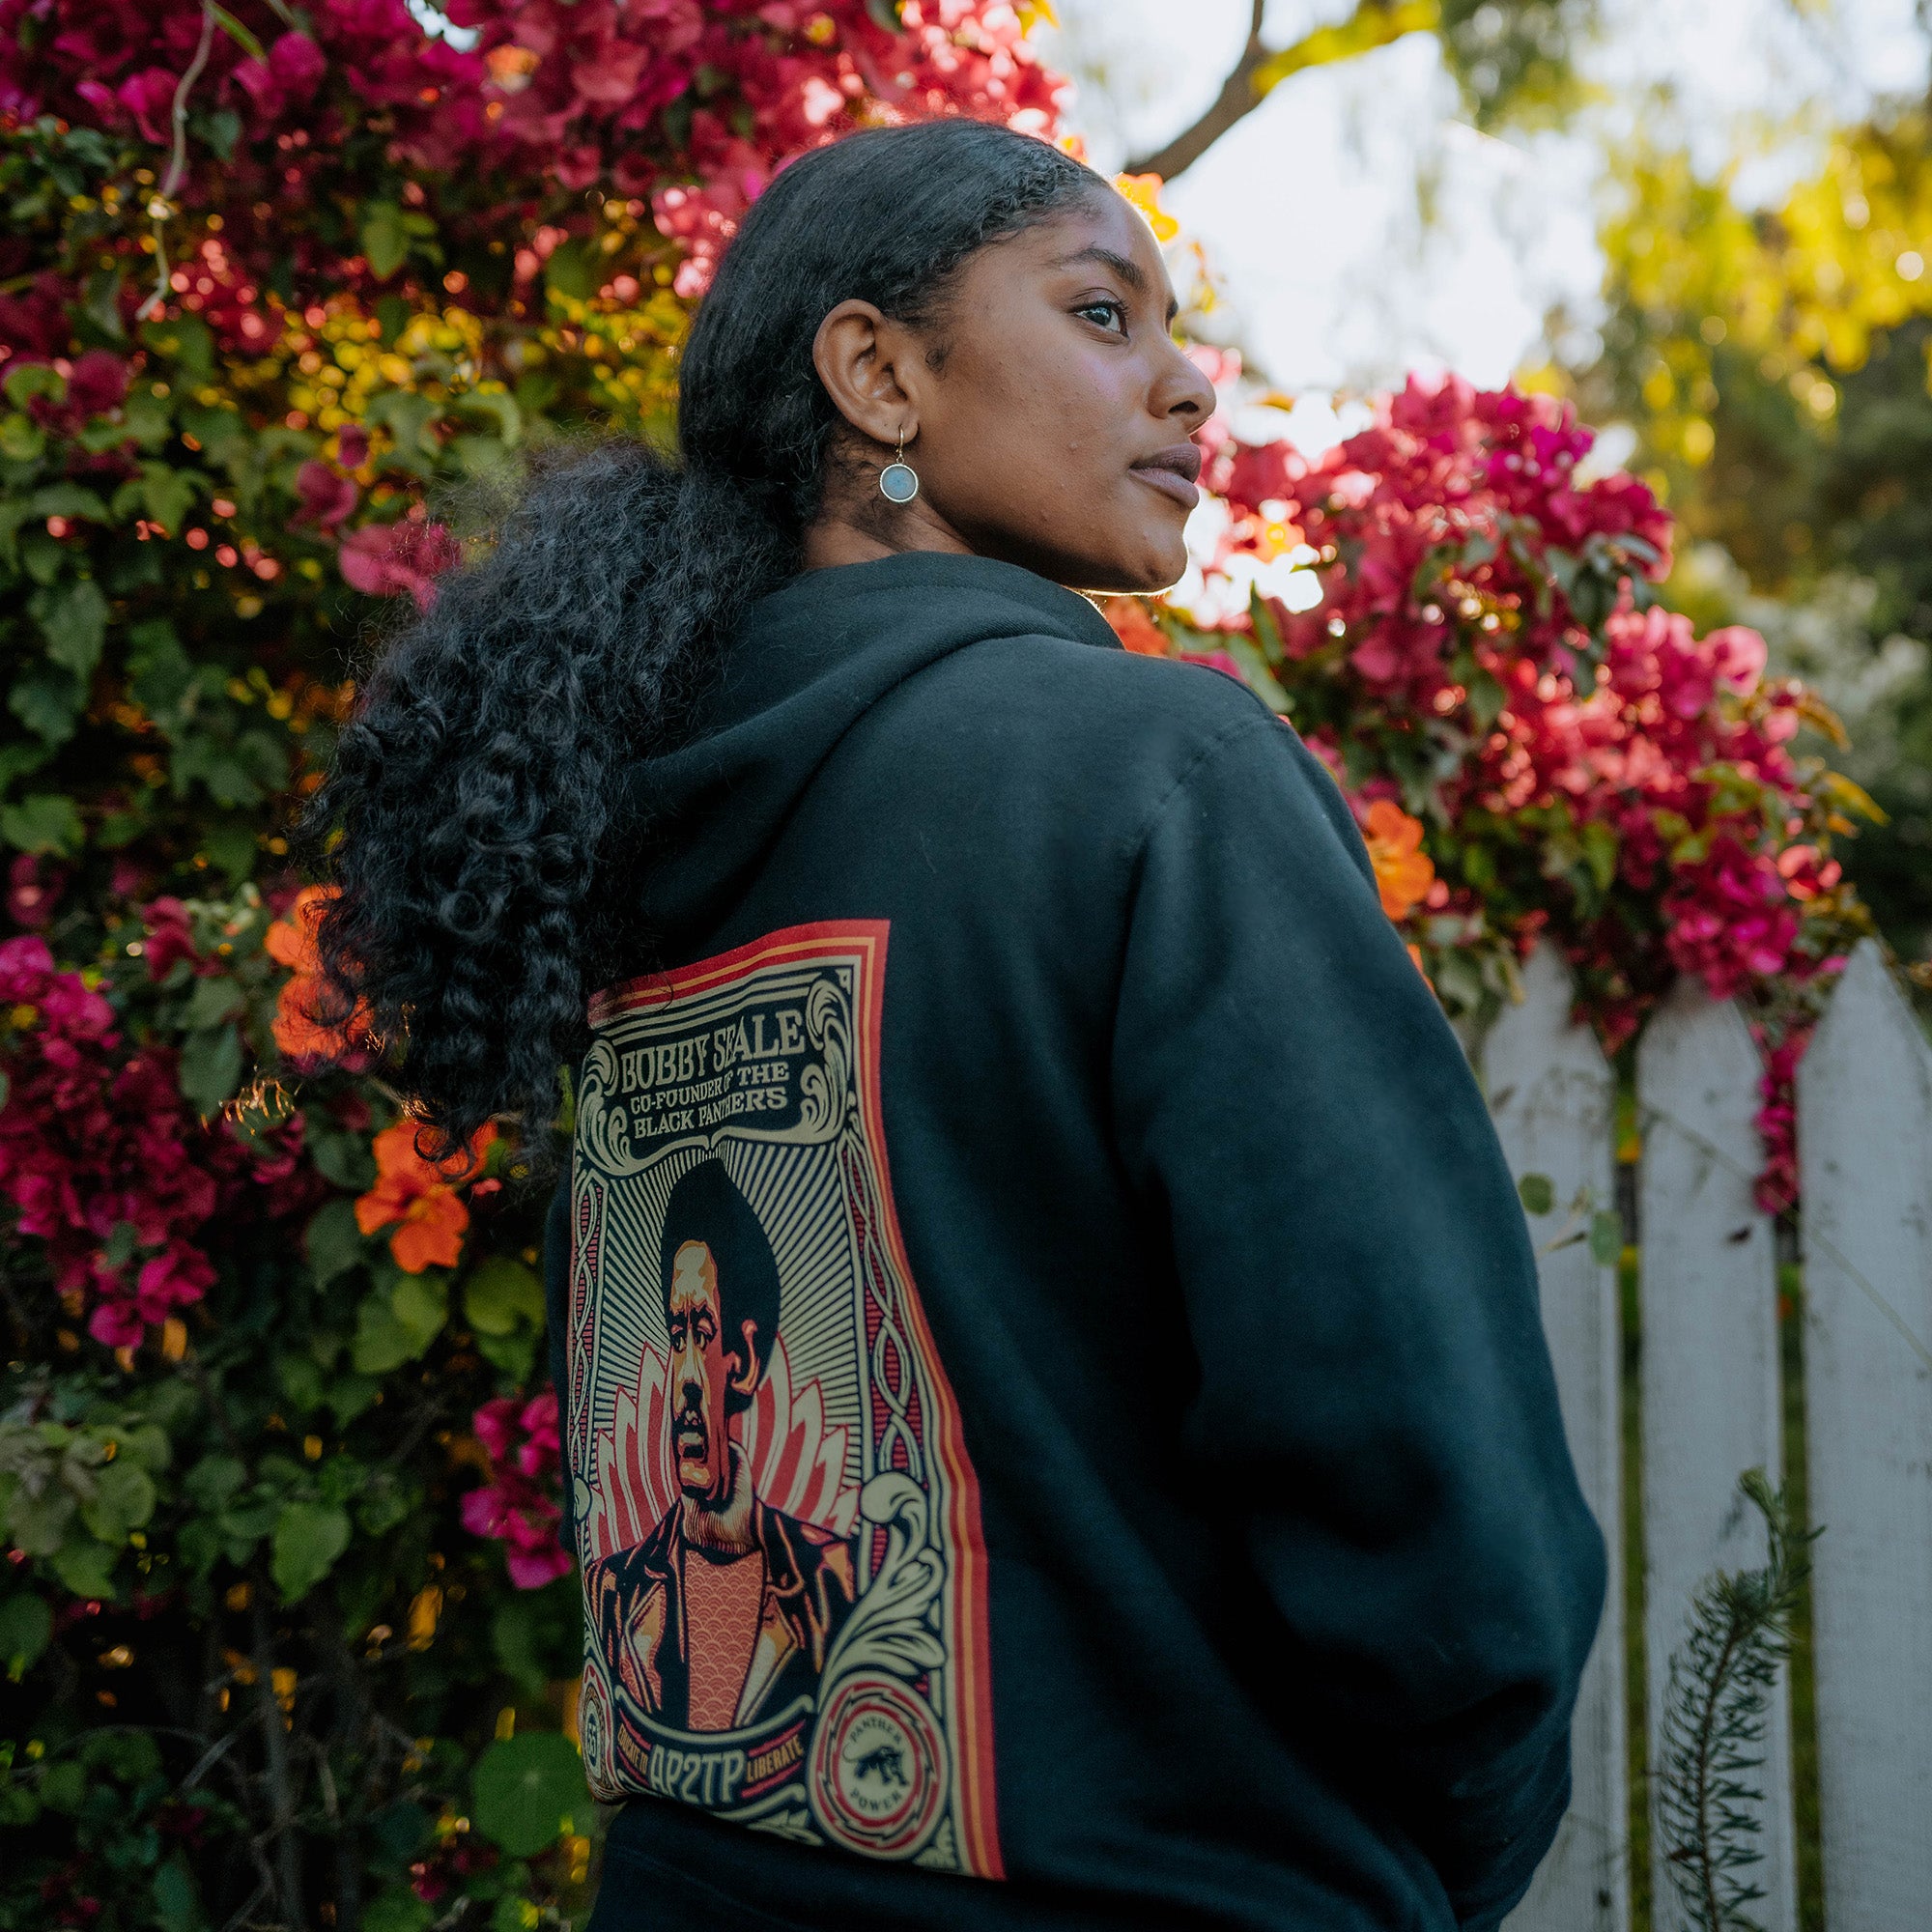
(1376, 1397)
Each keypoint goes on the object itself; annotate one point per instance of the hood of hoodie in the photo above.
(807, 662)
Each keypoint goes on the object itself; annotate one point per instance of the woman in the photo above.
(1054, 1385)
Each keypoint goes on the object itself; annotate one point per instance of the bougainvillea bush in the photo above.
(288, 1635)
(1534, 746)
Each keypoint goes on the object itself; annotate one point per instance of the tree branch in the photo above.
(1237, 97)
(1374, 23)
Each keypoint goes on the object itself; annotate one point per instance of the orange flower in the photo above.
(1144, 192)
(290, 942)
(422, 1194)
(1135, 629)
(1404, 871)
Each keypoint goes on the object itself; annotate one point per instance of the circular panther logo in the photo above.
(878, 1768)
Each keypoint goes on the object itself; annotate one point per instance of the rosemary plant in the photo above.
(1717, 1712)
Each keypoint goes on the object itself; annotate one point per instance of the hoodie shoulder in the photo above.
(1051, 712)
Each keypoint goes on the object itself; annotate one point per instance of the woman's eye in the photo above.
(1108, 314)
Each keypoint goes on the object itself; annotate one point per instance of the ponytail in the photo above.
(472, 790)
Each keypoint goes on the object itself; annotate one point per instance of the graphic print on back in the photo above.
(784, 1574)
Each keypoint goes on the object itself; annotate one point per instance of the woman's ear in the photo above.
(866, 363)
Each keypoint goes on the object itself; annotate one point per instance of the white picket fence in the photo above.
(1711, 1408)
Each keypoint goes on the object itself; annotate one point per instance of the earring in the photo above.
(899, 480)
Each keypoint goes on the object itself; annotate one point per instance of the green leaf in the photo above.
(500, 1293)
(42, 822)
(335, 1244)
(397, 1910)
(160, 671)
(231, 846)
(349, 1396)
(1537, 1192)
(382, 1506)
(45, 559)
(48, 703)
(307, 1538)
(497, 403)
(167, 495)
(20, 440)
(1607, 1238)
(385, 242)
(26, 1628)
(300, 1379)
(103, 306)
(1600, 852)
(213, 1481)
(341, 1157)
(405, 416)
(86, 1566)
(510, 1356)
(176, 1902)
(210, 1068)
(123, 1500)
(213, 1000)
(528, 1791)
(64, 1786)
(538, 1635)
(69, 499)
(73, 619)
(421, 1302)
(28, 379)
(184, 339)
(573, 270)
(382, 1343)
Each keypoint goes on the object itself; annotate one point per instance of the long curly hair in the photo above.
(467, 822)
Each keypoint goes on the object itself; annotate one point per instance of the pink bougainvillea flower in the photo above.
(327, 495)
(383, 560)
(96, 383)
(149, 96)
(518, 1505)
(32, 894)
(169, 939)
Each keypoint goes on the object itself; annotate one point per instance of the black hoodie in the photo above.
(1055, 1384)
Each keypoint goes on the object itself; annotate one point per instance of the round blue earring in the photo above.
(899, 480)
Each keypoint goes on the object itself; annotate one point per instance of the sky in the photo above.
(1329, 278)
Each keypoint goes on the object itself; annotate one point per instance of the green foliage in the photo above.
(1717, 1711)
(1774, 364)
(528, 1792)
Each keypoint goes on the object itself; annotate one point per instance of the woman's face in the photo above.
(1048, 413)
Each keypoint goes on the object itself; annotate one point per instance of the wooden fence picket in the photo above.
(1710, 1377)
(1865, 1153)
(1554, 1100)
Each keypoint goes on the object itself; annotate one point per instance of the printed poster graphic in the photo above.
(783, 1572)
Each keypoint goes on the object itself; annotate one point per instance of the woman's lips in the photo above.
(1172, 471)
